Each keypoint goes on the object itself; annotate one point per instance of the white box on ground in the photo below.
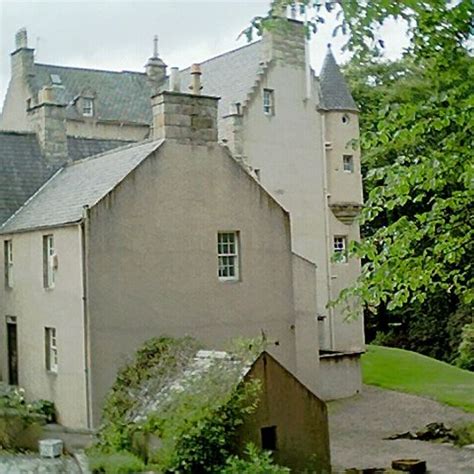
(50, 448)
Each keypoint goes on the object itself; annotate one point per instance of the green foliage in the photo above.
(254, 462)
(464, 434)
(45, 408)
(406, 371)
(465, 359)
(121, 462)
(198, 427)
(158, 357)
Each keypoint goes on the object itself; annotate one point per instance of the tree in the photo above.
(417, 147)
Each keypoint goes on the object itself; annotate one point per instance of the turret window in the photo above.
(348, 163)
(345, 119)
(268, 102)
(340, 249)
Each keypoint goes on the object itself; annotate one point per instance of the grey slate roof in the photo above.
(22, 170)
(335, 94)
(62, 198)
(125, 96)
(119, 96)
(229, 76)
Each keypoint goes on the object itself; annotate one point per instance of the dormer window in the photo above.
(87, 107)
(268, 102)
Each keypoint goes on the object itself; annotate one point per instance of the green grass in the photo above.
(406, 371)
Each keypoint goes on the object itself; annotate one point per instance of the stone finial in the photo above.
(196, 79)
(155, 46)
(21, 38)
(155, 67)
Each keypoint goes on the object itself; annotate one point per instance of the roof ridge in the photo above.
(224, 54)
(91, 69)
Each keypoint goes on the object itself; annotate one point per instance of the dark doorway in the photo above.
(269, 438)
(12, 347)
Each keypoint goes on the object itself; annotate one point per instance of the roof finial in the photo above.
(329, 45)
(155, 46)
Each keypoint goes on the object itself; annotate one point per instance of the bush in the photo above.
(45, 408)
(121, 462)
(255, 462)
(464, 434)
(465, 359)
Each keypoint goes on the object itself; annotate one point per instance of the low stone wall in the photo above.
(340, 375)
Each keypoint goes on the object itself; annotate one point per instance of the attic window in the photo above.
(87, 107)
(55, 79)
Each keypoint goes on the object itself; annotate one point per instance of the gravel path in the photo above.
(31, 464)
(359, 424)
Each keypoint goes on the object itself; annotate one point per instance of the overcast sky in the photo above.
(118, 34)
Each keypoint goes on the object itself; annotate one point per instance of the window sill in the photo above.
(229, 281)
(52, 373)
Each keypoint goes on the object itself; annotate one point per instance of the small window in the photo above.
(268, 102)
(51, 350)
(56, 79)
(8, 255)
(345, 119)
(269, 438)
(348, 163)
(87, 107)
(49, 261)
(228, 255)
(340, 249)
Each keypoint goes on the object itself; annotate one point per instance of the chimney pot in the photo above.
(21, 38)
(196, 79)
(175, 80)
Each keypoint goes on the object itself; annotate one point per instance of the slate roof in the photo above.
(125, 96)
(119, 96)
(158, 392)
(229, 76)
(22, 170)
(335, 94)
(61, 199)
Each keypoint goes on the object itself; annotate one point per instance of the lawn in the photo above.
(410, 372)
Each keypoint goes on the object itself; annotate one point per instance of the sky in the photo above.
(118, 34)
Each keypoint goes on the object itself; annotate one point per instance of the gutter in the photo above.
(85, 223)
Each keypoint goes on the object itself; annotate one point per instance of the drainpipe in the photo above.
(85, 306)
(332, 338)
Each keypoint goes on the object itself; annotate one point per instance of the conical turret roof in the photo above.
(335, 94)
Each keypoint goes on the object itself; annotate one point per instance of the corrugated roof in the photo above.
(62, 198)
(335, 94)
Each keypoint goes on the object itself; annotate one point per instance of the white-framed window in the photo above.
(348, 163)
(228, 256)
(268, 102)
(340, 248)
(49, 261)
(87, 107)
(8, 255)
(51, 350)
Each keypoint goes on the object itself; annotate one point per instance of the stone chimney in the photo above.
(49, 121)
(155, 67)
(22, 57)
(187, 118)
(285, 43)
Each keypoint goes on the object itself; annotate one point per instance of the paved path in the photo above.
(359, 424)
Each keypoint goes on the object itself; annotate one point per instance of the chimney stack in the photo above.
(22, 57)
(186, 118)
(49, 120)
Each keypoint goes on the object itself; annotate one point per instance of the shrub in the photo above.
(121, 462)
(45, 408)
(464, 434)
(255, 462)
(465, 359)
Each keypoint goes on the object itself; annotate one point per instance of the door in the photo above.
(12, 347)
